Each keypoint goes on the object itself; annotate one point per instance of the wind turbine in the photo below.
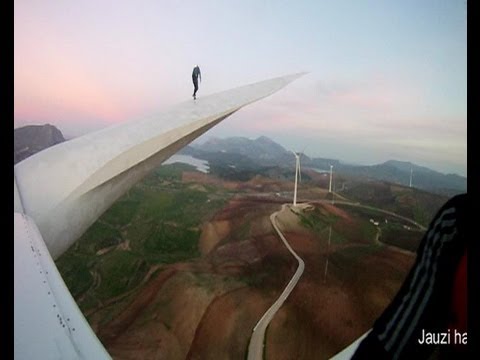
(330, 186)
(298, 174)
(333, 194)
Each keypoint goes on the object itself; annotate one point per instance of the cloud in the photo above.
(388, 117)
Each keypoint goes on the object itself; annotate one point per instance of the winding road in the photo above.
(256, 345)
(413, 222)
(255, 348)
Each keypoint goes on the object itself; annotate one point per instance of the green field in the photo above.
(394, 230)
(316, 220)
(397, 235)
(416, 204)
(156, 222)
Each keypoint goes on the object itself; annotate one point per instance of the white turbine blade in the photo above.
(303, 151)
(60, 191)
(66, 187)
(48, 322)
(296, 161)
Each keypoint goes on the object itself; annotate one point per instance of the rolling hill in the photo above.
(244, 153)
(31, 139)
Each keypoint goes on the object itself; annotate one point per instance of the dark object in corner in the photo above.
(431, 306)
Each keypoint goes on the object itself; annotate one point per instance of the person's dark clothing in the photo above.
(427, 301)
(195, 76)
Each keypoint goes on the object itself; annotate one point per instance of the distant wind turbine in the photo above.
(298, 174)
(411, 175)
(330, 186)
(333, 194)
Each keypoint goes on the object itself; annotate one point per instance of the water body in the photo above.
(200, 165)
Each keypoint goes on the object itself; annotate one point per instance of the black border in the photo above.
(473, 181)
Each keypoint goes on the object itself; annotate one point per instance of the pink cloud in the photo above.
(56, 79)
(376, 93)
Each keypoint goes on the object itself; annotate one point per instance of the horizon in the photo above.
(385, 81)
(204, 138)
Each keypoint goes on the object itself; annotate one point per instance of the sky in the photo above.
(386, 79)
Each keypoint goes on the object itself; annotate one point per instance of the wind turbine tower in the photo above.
(297, 173)
(411, 175)
(330, 186)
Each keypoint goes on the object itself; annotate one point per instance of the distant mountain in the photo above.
(31, 139)
(399, 172)
(262, 150)
(245, 153)
(425, 178)
(406, 166)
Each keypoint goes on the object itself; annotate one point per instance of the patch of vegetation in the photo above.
(169, 244)
(337, 237)
(420, 216)
(364, 213)
(227, 172)
(319, 222)
(122, 213)
(156, 203)
(100, 235)
(171, 172)
(75, 272)
(138, 232)
(88, 302)
(316, 220)
(265, 275)
(187, 206)
(241, 233)
(160, 218)
(254, 280)
(353, 254)
(393, 231)
(206, 281)
(120, 271)
(413, 203)
(368, 231)
(110, 313)
(395, 234)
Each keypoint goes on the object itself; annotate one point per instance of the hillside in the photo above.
(185, 264)
(261, 151)
(399, 172)
(244, 153)
(31, 139)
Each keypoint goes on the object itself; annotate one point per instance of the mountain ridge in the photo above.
(265, 152)
(30, 139)
(249, 154)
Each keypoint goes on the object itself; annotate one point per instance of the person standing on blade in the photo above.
(195, 76)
